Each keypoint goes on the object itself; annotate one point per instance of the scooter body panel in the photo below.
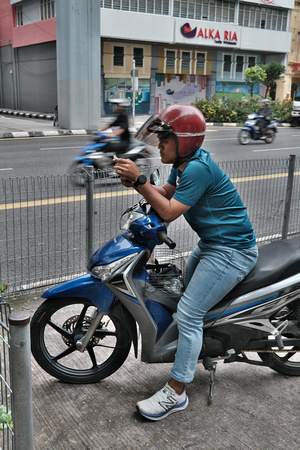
(84, 286)
(119, 247)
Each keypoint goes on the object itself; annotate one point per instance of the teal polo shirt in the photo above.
(216, 213)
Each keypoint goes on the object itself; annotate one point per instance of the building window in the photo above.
(239, 64)
(227, 63)
(186, 61)
(263, 17)
(47, 9)
(160, 7)
(138, 56)
(212, 10)
(200, 61)
(251, 61)
(170, 59)
(19, 15)
(125, 5)
(118, 56)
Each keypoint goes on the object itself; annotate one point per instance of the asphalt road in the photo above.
(25, 157)
(62, 227)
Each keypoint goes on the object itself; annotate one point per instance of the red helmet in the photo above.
(186, 122)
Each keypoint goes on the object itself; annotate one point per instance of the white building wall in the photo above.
(276, 3)
(125, 25)
(265, 40)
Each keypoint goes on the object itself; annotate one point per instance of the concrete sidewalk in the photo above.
(254, 408)
(37, 125)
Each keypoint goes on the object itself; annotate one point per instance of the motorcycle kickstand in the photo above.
(211, 366)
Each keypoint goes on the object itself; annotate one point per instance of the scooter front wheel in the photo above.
(78, 174)
(244, 137)
(56, 327)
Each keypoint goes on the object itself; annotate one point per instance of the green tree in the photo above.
(254, 75)
(273, 70)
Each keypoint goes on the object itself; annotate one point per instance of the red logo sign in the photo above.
(267, 1)
(229, 37)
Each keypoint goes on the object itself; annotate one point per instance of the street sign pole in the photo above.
(133, 92)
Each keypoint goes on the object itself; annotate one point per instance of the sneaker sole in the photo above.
(165, 414)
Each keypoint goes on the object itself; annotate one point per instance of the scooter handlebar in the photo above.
(162, 236)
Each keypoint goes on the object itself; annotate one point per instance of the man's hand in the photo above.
(127, 171)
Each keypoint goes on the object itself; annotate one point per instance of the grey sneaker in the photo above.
(164, 402)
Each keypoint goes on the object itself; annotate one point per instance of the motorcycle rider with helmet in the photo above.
(226, 252)
(264, 117)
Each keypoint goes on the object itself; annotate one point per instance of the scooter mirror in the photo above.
(155, 177)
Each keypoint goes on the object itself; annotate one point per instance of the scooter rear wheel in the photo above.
(56, 327)
(270, 137)
(244, 137)
(287, 362)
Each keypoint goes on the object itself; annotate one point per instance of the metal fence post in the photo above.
(21, 381)
(289, 191)
(90, 178)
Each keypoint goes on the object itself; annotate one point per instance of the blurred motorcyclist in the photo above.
(264, 117)
(122, 132)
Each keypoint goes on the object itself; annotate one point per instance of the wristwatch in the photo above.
(141, 180)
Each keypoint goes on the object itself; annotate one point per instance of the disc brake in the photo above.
(70, 325)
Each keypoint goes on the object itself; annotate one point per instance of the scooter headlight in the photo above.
(105, 271)
(128, 217)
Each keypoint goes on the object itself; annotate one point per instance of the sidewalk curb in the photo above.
(22, 134)
(31, 115)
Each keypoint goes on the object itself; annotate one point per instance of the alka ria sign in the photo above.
(219, 37)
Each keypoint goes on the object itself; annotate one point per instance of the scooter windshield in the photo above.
(148, 132)
(135, 212)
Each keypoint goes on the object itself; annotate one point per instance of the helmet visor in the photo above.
(148, 132)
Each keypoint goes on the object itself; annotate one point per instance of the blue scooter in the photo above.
(94, 155)
(250, 130)
(84, 330)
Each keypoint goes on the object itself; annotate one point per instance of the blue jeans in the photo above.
(212, 270)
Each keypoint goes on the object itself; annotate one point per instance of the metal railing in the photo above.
(46, 229)
(6, 423)
(16, 408)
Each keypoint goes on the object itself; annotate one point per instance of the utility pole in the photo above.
(78, 47)
(135, 86)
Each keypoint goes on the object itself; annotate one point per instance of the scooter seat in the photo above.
(276, 261)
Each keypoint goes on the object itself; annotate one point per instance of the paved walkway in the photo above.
(254, 408)
(14, 125)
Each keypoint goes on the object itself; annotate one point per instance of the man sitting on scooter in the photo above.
(121, 121)
(226, 252)
(264, 115)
